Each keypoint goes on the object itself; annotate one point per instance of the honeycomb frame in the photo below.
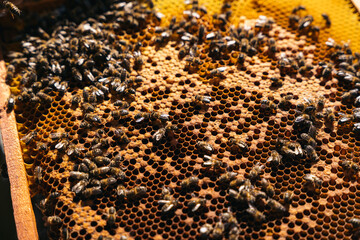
(251, 96)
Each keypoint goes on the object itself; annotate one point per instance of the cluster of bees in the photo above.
(107, 68)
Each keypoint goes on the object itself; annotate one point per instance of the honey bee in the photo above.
(117, 173)
(196, 204)
(205, 231)
(93, 191)
(329, 115)
(38, 174)
(62, 145)
(256, 214)
(79, 187)
(275, 158)
(119, 113)
(58, 135)
(327, 19)
(121, 191)
(92, 118)
(162, 132)
(10, 103)
(100, 160)
(87, 107)
(44, 97)
(42, 146)
(237, 182)
(267, 105)
(136, 192)
(217, 72)
(311, 153)
(305, 22)
(202, 99)
(355, 222)
(288, 197)
(99, 171)
(238, 145)
(234, 233)
(213, 163)
(345, 119)
(53, 220)
(229, 219)
(312, 182)
(190, 182)
(218, 231)
(93, 153)
(356, 128)
(276, 82)
(350, 95)
(255, 172)
(267, 187)
(79, 175)
(204, 146)
(227, 177)
(350, 167)
(169, 203)
(107, 182)
(65, 233)
(104, 143)
(308, 139)
(27, 139)
(121, 104)
(276, 206)
(111, 216)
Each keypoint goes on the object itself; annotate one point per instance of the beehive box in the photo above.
(216, 75)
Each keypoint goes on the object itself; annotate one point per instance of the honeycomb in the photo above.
(167, 109)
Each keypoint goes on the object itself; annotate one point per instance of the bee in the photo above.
(93, 191)
(100, 160)
(237, 182)
(38, 174)
(204, 147)
(80, 186)
(111, 216)
(42, 146)
(275, 158)
(117, 173)
(99, 171)
(205, 231)
(162, 132)
(327, 19)
(136, 192)
(234, 233)
(350, 167)
(312, 182)
(202, 99)
(345, 119)
(305, 22)
(311, 153)
(350, 95)
(93, 153)
(87, 107)
(241, 58)
(138, 60)
(244, 195)
(62, 145)
(229, 219)
(217, 72)
(267, 105)
(92, 118)
(119, 113)
(53, 220)
(329, 115)
(169, 203)
(44, 97)
(276, 206)
(267, 187)
(238, 145)
(58, 135)
(255, 172)
(85, 124)
(272, 46)
(75, 100)
(227, 177)
(218, 231)
(355, 222)
(79, 175)
(27, 139)
(308, 140)
(121, 104)
(65, 233)
(121, 191)
(213, 163)
(356, 128)
(288, 197)
(256, 214)
(190, 182)
(116, 161)
(104, 143)
(196, 204)
(10, 103)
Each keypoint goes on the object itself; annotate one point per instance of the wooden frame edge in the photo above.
(20, 195)
(356, 4)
